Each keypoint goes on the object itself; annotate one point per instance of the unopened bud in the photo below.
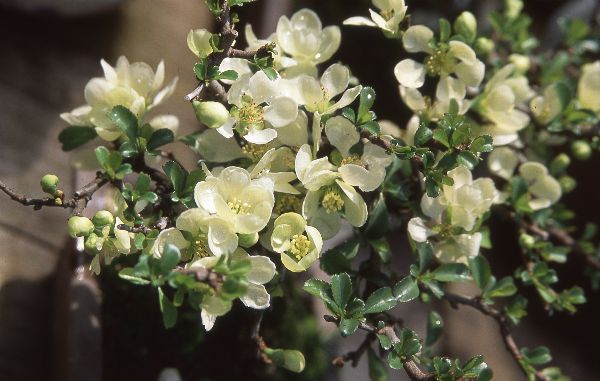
(513, 8)
(466, 26)
(211, 114)
(103, 218)
(526, 241)
(522, 63)
(484, 46)
(560, 163)
(91, 243)
(581, 150)
(49, 184)
(286, 358)
(248, 240)
(567, 184)
(80, 226)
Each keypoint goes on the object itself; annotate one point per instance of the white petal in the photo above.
(410, 73)
(342, 134)
(335, 79)
(281, 112)
(359, 21)
(256, 297)
(261, 136)
(416, 39)
(418, 231)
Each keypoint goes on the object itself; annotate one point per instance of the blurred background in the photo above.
(58, 323)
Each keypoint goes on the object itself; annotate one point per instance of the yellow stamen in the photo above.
(332, 201)
(239, 207)
(300, 246)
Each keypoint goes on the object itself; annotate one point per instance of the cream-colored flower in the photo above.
(259, 108)
(502, 162)
(304, 39)
(455, 58)
(261, 272)
(265, 168)
(448, 89)
(466, 200)
(299, 244)
(313, 174)
(198, 41)
(588, 87)
(235, 197)
(548, 106)
(317, 96)
(500, 102)
(366, 171)
(544, 188)
(135, 86)
(391, 13)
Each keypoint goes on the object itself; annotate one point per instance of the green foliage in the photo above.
(76, 136)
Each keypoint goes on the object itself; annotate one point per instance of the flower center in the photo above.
(239, 207)
(252, 114)
(286, 202)
(437, 63)
(353, 159)
(255, 151)
(321, 105)
(300, 246)
(200, 246)
(387, 14)
(332, 201)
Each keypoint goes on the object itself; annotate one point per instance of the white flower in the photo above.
(367, 171)
(207, 235)
(261, 271)
(455, 58)
(122, 240)
(502, 162)
(391, 13)
(304, 39)
(135, 86)
(281, 180)
(260, 108)
(198, 42)
(325, 207)
(448, 89)
(543, 187)
(313, 174)
(236, 198)
(499, 103)
(299, 244)
(451, 248)
(467, 200)
(317, 96)
(548, 106)
(216, 148)
(588, 87)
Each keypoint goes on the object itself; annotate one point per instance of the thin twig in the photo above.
(354, 356)
(503, 324)
(412, 369)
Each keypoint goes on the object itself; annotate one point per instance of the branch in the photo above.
(354, 356)
(412, 369)
(503, 324)
(78, 202)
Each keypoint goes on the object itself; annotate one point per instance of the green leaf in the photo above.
(480, 269)
(425, 252)
(176, 174)
(483, 143)
(382, 248)
(435, 326)
(170, 258)
(408, 345)
(125, 120)
(130, 275)
(103, 157)
(378, 223)
(406, 290)
(372, 127)
(356, 308)
(468, 159)
(394, 361)
(440, 135)
(367, 98)
(423, 135)
(75, 136)
(231, 75)
(200, 71)
(348, 326)
(316, 287)
(377, 368)
(537, 356)
(384, 341)
(160, 138)
(338, 259)
(341, 288)
(380, 300)
(169, 312)
(451, 272)
(445, 30)
(502, 289)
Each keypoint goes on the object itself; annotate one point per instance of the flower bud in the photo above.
(91, 244)
(79, 226)
(466, 26)
(49, 184)
(211, 114)
(286, 358)
(103, 218)
(526, 241)
(513, 8)
(248, 240)
(560, 163)
(567, 183)
(581, 150)
(484, 46)
(522, 63)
